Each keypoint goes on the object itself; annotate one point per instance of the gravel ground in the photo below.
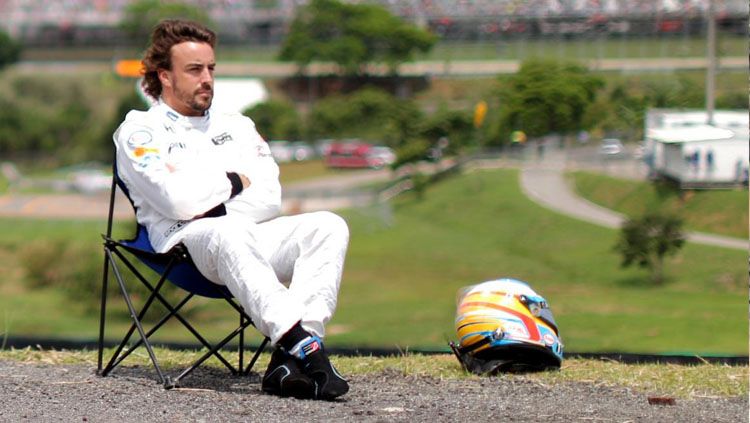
(41, 393)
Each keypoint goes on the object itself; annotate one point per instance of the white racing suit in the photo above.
(176, 169)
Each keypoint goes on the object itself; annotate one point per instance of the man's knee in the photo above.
(332, 224)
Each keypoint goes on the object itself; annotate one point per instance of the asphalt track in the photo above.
(443, 69)
(47, 391)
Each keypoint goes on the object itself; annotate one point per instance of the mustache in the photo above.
(205, 88)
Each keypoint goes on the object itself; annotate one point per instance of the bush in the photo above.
(647, 240)
(276, 120)
(45, 117)
(10, 50)
(75, 267)
(412, 152)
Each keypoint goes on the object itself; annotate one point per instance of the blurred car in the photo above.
(286, 151)
(359, 155)
(381, 156)
(301, 151)
(611, 147)
(280, 150)
(322, 147)
(91, 181)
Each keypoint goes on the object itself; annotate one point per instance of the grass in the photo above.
(585, 49)
(707, 380)
(504, 49)
(299, 171)
(722, 212)
(405, 265)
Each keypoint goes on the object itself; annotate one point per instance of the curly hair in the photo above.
(158, 56)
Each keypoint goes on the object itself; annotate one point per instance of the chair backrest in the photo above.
(183, 274)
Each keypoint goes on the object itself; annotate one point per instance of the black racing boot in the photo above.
(285, 378)
(329, 384)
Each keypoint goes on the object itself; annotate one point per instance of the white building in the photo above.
(681, 146)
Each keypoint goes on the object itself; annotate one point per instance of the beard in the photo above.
(198, 100)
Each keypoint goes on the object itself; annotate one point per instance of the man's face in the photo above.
(188, 87)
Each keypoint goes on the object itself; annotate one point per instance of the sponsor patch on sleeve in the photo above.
(262, 150)
(141, 148)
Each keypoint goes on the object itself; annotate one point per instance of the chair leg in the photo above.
(119, 358)
(208, 354)
(241, 351)
(256, 355)
(102, 314)
(136, 321)
(173, 311)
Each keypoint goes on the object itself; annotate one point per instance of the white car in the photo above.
(91, 181)
(301, 151)
(611, 147)
(287, 151)
(381, 156)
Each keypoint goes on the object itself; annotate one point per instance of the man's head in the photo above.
(179, 66)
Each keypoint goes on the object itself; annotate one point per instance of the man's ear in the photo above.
(164, 78)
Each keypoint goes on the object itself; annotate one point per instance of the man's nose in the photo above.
(207, 75)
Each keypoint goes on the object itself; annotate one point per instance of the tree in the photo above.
(47, 117)
(677, 92)
(455, 126)
(276, 120)
(545, 97)
(621, 111)
(141, 17)
(647, 240)
(10, 50)
(368, 113)
(351, 36)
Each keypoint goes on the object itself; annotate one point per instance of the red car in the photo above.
(358, 155)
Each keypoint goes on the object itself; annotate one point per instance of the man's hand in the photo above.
(245, 181)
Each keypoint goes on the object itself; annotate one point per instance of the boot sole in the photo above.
(295, 387)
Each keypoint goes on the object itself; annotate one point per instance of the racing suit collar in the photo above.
(184, 121)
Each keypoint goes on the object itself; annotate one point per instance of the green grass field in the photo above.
(404, 268)
(506, 49)
(481, 227)
(722, 212)
(585, 49)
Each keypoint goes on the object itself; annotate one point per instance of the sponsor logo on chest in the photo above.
(221, 138)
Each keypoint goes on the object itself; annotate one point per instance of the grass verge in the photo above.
(722, 212)
(706, 380)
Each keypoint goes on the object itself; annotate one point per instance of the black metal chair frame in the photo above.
(114, 253)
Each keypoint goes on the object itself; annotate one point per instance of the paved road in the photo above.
(543, 181)
(445, 69)
(318, 194)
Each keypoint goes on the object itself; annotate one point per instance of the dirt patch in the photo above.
(40, 392)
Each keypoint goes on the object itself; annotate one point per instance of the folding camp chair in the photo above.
(176, 267)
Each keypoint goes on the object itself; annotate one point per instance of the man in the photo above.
(208, 180)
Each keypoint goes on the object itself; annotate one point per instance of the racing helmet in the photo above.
(504, 326)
